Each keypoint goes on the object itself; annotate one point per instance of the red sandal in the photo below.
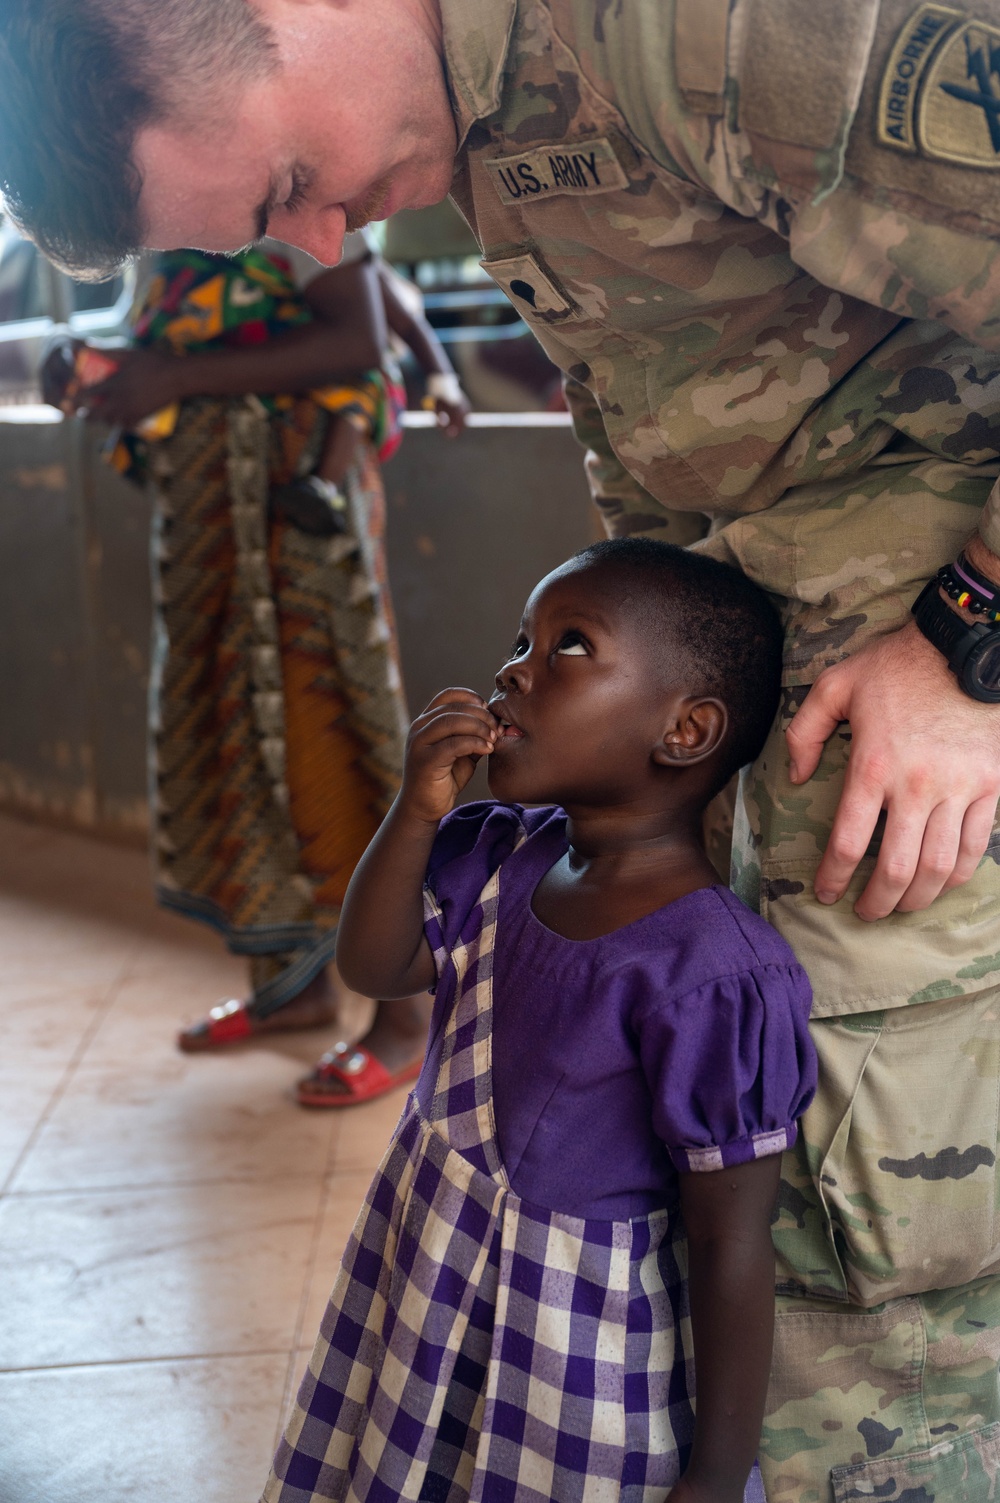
(364, 1076)
(225, 1024)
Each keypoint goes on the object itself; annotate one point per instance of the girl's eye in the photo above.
(572, 646)
(519, 648)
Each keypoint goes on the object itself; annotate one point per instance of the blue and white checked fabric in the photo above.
(476, 1347)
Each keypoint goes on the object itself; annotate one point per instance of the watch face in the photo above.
(983, 667)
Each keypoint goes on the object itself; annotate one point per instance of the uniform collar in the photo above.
(476, 41)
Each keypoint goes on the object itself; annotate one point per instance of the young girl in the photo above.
(573, 1215)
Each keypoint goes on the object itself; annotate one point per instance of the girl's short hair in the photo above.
(726, 627)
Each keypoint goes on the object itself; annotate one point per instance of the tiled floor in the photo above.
(169, 1225)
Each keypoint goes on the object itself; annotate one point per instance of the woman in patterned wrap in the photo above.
(570, 1229)
(277, 707)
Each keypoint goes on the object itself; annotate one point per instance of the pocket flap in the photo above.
(951, 949)
(958, 1470)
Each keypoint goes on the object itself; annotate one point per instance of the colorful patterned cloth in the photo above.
(197, 301)
(277, 712)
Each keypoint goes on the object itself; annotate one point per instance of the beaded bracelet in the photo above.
(964, 584)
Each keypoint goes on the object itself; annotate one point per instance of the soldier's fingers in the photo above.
(822, 710)
(977, 827)
(897, 862)
(857, 813)
(939, 851)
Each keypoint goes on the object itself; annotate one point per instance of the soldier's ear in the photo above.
(695, 730)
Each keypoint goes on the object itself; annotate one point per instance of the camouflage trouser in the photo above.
(892, 1191)
(885, 1381)
(888, 1333)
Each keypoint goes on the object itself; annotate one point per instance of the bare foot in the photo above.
(397, 1039)
(314, 1007)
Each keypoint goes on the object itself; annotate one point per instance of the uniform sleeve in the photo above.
(625, 506)
(866, 134)
(730, 1066)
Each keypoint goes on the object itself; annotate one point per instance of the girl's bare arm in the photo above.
(727, 1215)
(381, 949)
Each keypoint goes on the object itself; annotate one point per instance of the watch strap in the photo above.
(944, 628)
(978, 583)
(969, 589)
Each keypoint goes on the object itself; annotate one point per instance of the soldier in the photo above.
(760, 237)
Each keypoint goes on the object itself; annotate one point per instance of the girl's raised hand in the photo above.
(442, 750)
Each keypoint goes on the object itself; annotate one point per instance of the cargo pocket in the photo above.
(908, 1178)
(961, 1470)
(950, 948)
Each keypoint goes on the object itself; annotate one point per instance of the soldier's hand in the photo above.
(923, 751)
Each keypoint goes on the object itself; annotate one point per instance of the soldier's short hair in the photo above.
(726, 627)
(79, 79)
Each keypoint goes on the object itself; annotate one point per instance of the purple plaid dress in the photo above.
(510, 1322)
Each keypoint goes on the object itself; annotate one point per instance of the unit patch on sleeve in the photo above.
(579, 167)
(940, 92)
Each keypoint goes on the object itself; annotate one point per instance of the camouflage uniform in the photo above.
(760, 236)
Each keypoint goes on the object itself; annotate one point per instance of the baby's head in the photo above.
(639, 668)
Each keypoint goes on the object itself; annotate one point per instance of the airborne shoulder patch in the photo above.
(940, 91)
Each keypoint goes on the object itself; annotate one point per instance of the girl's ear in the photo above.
(696, 729)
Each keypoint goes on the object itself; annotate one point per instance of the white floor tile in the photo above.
(171, 1224)
(217, 1268)
(172, 1432)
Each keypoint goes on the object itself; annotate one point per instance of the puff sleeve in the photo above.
(730, 1066)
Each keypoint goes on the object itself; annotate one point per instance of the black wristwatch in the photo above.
(973, 652)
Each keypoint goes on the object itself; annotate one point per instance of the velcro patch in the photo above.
(802, 69)
(700, 35)
(940, 92)
(527, 286)
(577, 167)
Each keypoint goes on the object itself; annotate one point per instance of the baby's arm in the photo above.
(727, 1215)
(381, 949)
(410, 325)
